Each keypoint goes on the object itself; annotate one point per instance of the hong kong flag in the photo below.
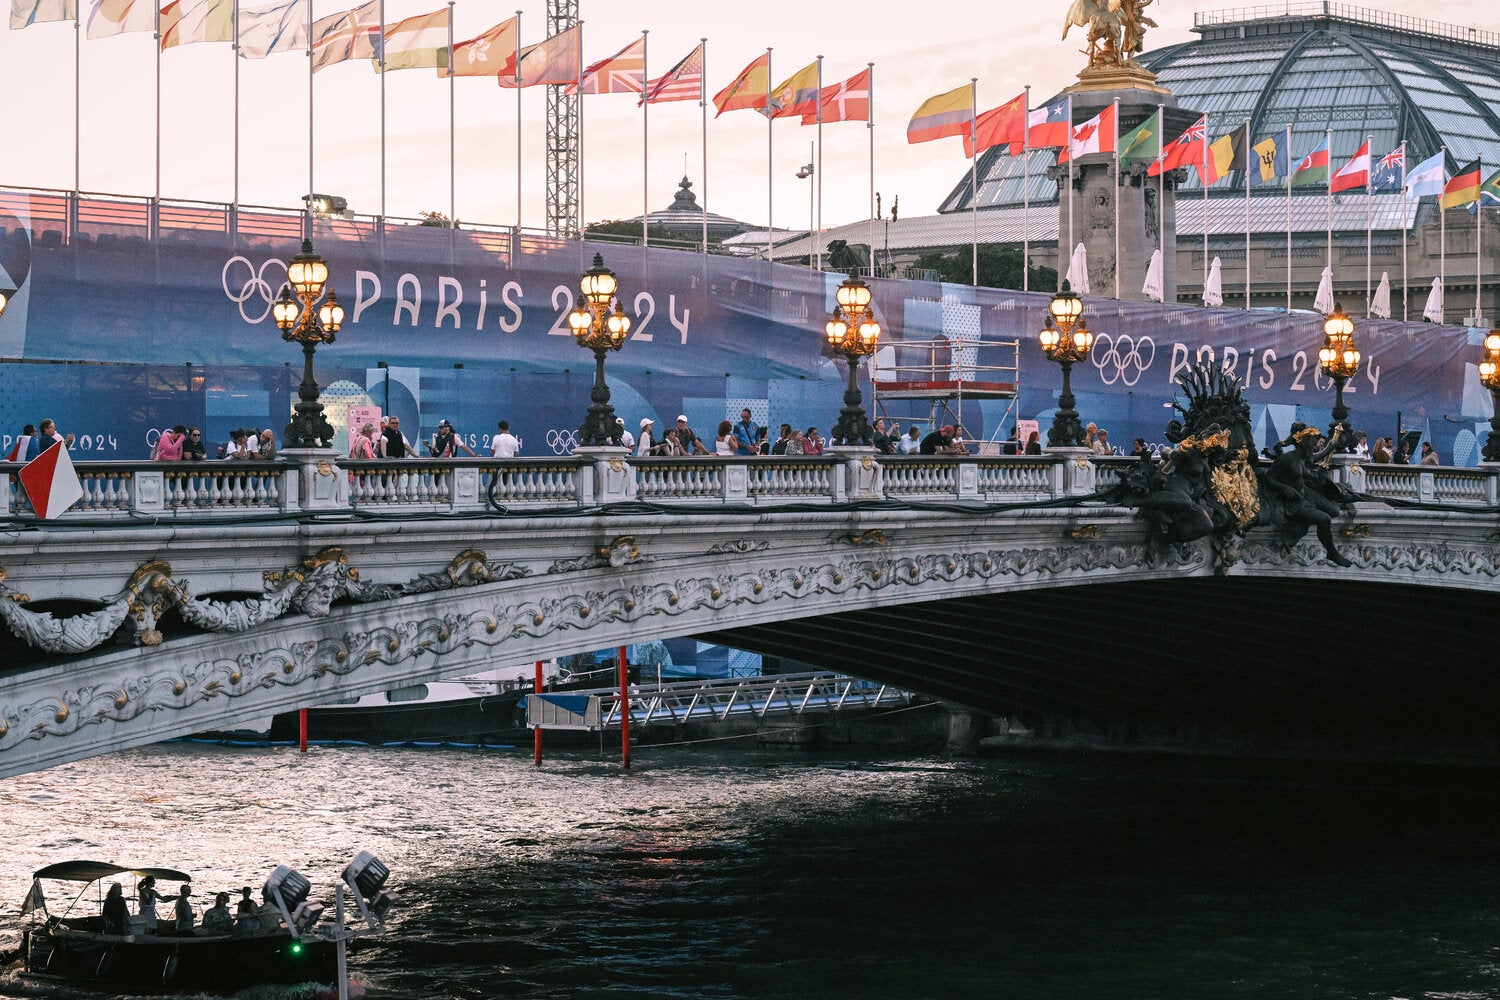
(51, 483)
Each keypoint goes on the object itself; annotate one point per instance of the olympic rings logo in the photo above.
(562, 442)
(254, 287)
(1122, 357)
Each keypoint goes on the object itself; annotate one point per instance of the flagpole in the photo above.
(78, 105)
(818, 173)
(645, 145)
(1288, 218)
(1203, 179)
(578, 56)
(1369, 170)
(870, 129)
(452, 129)
(1479, 245)
(307, 212)
(974, 176)
(770, 179)
(156, 203)
(518, 136)
(703, 111)
(382, 110)
(1328, 201)
(1070, 178)
(1026, 194)
(1161, 201)
(1247, 149)
(1443, 233)
(235, 48)
(1116, 197)
(1405, 233)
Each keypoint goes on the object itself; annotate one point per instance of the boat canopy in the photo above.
(91, 871)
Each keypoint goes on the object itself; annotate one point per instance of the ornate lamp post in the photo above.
(1066, 339)
(853, 332)
(302, 319)
(601, 331)
(1489, 377)
(1339, 360)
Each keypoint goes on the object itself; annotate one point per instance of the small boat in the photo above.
(281, 945)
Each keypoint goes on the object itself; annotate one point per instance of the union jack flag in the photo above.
(683, 82)
(1389, 175)
(622, 73)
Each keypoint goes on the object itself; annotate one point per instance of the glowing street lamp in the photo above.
(601, 329)
(1065, 339)
(1339, 360)
(1489, 377)
(853, 332)
(307, 322)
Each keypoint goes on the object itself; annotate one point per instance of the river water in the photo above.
(759, 874)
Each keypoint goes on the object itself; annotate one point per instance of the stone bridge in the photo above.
(177, 599)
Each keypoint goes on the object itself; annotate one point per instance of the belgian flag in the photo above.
(1463, 188)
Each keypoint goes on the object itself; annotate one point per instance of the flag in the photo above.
(1097, 135)
(1313, 168)
(748, 90)
(350, 34)
(797, 94)
(25, 13)
(622, 73)
(1184, 151)
(1355, 173)
(1433, 311)
(552, 61)
(1213, 289)
(683, 82)
(848, 101)
(1271, 158)
(946, 114)
(414, 43)
(1463, 188)
(204, 21)
(1007, 123)
(34, 899)
(1323, 301)
(1226, 154)
(51, 483)
(114, 17)
(1389, 174)
(485, 54)
(1049, 124)
(265, 31)
(1142, 142)
(1428, 177)
(18, 453)
(1489, 193)
(1152, 288)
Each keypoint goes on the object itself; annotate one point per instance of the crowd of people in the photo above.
(246, 919)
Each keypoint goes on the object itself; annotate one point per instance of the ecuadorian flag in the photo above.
(946, 114)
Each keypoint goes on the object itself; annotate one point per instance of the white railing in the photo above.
(203, 490)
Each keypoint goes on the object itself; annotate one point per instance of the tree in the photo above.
(999, 267)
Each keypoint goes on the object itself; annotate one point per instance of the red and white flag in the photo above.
(848, 101)
(51, 483)
(1355, 173)
(349, 34)
(485, 55)
(1097, 135)
(622, 73)
(683, 82)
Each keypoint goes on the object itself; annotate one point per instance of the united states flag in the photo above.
(683, 82)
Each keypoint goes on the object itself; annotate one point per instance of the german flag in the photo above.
(1463, 188)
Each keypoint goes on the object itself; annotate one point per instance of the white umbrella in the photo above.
(1213, 292)
(1152, 288)
(1324, 301)
(1380, 305)
(1434, 310)
(1078, 270)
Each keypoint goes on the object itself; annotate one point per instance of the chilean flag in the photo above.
(1050, 124)
(51, 483)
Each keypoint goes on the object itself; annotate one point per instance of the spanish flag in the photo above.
(946, 114)
(798, 94)
(749, 89)
(1463, 188)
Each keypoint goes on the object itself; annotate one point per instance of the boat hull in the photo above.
(156, 964)
(490, 720)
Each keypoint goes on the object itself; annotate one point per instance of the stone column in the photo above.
(606, 477)
(319, 483)
(861, 473)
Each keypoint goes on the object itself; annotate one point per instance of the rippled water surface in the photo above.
(751, 875)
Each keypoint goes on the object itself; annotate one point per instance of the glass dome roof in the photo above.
(1316, 67)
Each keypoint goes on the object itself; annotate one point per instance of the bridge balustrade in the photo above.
(128, 490)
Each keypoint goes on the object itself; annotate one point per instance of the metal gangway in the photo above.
(719, 699)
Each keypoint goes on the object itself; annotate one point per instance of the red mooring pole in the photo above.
(536, 734)
(624, 710)
(302, 730)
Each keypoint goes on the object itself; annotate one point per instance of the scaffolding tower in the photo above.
(939, 375)
(564, 137)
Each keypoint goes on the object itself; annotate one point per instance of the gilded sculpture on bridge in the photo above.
(1116, 29)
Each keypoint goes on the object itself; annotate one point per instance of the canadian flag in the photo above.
(1097, 135)
(51, 483)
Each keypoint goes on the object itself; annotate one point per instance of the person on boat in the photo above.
(116, 913)
(185, 914)
(246, 920)
(217, 919)
(146, 899)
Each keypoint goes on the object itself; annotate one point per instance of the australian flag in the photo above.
(1389, 173)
